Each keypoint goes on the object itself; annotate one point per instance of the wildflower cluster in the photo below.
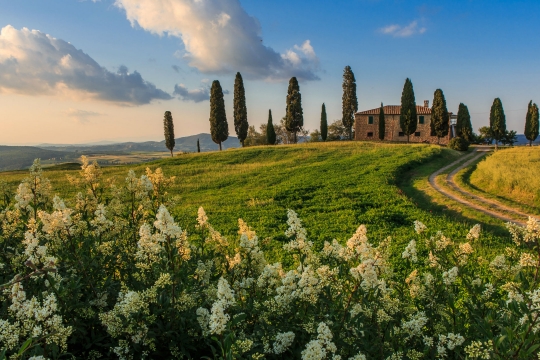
(114, 276)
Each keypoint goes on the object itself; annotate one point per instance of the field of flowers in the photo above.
(512, 174)
(112, 273)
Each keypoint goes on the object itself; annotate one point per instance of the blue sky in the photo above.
(473, 50)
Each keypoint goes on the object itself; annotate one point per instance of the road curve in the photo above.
(460, 195)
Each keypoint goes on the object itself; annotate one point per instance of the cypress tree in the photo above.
(439, 115)
(324, 123)
(198, 146)
(169, 131)
(497, 121)
(219, 129)
(463, 123)
(407, 118)
(294, 118)
(349, 99)
(382, 123)
(240, 111)
(270, 131)
(531, 123)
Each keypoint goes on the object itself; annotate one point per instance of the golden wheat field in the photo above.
(511, 173)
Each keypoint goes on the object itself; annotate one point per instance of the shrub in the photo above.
(459, 144)
(116, 277)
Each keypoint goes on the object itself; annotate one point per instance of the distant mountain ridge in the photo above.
(185, 144)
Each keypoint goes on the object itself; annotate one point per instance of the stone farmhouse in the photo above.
(366, 125)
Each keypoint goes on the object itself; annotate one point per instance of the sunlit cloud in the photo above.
(34, 63)
(220, 37)
(196, 95)
(403, 31)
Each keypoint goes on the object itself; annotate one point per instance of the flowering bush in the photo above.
(114, 276)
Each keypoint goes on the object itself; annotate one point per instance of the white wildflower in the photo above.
(410, 252)
(283, 342)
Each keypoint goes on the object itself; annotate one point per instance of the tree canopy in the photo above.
(240, 110)
(382, 123)
(497, 121)
(463, 123)
(168, 126)
(324, 123)
(219, 129)
(270, 131)
(349, 99)
(439, 115)
(531, 123)
(407, 118)
(294, 118)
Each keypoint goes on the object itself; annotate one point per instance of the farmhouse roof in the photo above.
(395, 110)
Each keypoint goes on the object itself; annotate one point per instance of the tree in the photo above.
(407, 118)
(270, 131)
(336, 131)
(531, 123)
(463, 123)
(219, 129)
(315, 136)
(324, 123)
(485, 135)
(509, 138)
(349, 100)
(240, 111)
(294, 114)
(382, 123)
(198, 146)
(439, 116)
(497, 121)
(169, 131)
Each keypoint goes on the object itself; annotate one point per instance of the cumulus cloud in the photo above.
(35, 63)
(403, 31)
(221, 38)
(81, 116)
(195, 95)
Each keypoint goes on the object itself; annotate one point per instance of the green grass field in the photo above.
(512, 175)
(334, 187)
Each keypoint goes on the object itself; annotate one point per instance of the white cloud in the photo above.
(35, 63)
(81, 116)
(195, 95)
(403, 31)
(221, 38)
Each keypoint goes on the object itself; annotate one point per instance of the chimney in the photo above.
(426, 103)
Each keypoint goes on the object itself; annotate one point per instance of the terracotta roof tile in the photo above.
(395, 110)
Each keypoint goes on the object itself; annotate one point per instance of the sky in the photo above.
(75, 71)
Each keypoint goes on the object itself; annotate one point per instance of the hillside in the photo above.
(334, 187)
(184, 144)
(19, 157)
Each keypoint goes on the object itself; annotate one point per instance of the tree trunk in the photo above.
(408, 138)
(530, 142)
(295, 139)
(242, 143)
(172, 154)
(220, 146)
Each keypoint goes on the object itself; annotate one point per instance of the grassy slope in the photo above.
(334, 187)
(18, 157)
(510, 175)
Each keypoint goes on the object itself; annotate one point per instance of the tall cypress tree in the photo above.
(198, 146)
(294, 118)
(270, 131)
(169, 131)
(382, 123)
(407, 118)
(324, 123)
(497, 121)
(531, 123)
(439, 116)
(219, 129)
(240, 111)
(463, 123)
(349, 100)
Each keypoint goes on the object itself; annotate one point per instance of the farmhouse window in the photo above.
(369, 134)
(370, 120)
(417, 133)
(421, 120)
(401, 133)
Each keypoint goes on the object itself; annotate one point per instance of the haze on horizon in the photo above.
(89, 71)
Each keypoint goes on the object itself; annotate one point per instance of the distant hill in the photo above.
(20, 157)
(185, 144)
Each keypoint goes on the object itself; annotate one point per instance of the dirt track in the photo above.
(462, 196)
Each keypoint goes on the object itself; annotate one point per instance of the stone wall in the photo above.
(365, 131)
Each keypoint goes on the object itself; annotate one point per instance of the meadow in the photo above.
(334, 187)
(314, 251)
(511, 174)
